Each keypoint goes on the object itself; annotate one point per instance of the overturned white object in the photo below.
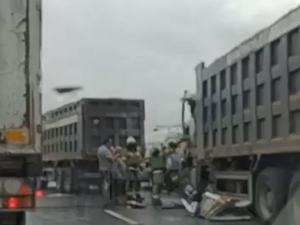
(223, 207)
(191, 208)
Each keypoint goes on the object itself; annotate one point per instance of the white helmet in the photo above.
(130, 140)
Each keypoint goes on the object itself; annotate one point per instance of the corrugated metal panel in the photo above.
(252, 122)
(20, 40)
(13, 78)
(117, 119)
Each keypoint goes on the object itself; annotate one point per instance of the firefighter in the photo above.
(173, 167)
(158, 167)
(133, 160)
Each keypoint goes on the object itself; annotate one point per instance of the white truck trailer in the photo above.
(20, 107)
(247, 119)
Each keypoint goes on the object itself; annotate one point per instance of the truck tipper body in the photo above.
(247, 118)
(72, 134)
(20, 106)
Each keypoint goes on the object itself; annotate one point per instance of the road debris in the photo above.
(135, 204)
(223, 207)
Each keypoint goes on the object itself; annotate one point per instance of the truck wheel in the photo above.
(271, 192)
(294, 198)
(12, 218)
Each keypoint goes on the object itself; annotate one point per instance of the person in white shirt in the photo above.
(106, 157)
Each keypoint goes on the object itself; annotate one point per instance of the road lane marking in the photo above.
(58, 195)
(121, 217)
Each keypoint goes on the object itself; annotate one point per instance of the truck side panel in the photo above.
(248, 101)
(113, 119)
(20, 44)
(76, 130)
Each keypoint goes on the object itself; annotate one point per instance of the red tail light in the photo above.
(18, 202)
(13, 203)
(18, 194)
(39, 193)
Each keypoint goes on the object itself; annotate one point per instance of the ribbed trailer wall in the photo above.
(248, 101)
(76, 130)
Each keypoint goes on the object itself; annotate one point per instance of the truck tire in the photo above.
(12, 218)
(294, 198)
(271, 192)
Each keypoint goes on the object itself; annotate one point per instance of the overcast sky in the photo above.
(143, 48)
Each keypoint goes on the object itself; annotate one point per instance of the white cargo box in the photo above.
(20, 76)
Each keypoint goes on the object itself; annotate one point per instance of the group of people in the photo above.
(167, 166)
(119, 170)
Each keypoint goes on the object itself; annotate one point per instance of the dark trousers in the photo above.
(106, 184)
(133, 183)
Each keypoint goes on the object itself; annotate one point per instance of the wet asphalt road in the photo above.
(59, 209)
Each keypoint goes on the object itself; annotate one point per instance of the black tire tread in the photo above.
(278, 179)
(293, 189)
(295, 183)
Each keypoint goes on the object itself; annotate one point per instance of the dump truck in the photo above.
(246, 112)
(20, 107)
(72, 133)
